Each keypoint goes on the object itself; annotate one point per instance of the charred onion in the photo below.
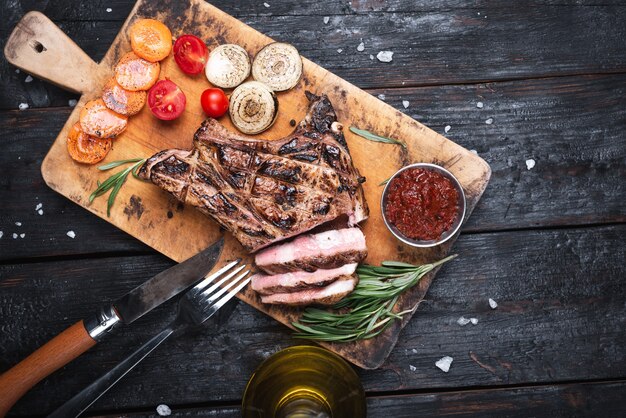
(253, 107)
(278, 65)
(228, 66)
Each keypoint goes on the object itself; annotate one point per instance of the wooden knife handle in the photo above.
(55, 354)
(41, 48)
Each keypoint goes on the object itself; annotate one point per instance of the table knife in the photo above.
(84, 334)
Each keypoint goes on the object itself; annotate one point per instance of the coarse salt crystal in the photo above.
(412, 367)
(339, 50)
(163, 410)
(385, 56)
(489, 121)
(473, 151)
(444, 363)
(39, 206)
(22, 235)
(493, 304)
(479, 105)
(14, 235)
(23, 106)
(109, 10)
(405, 103)
(1, 234)
(17, 71)
(40, 211)
(462, 321)
(382, 96)
(447, 128)
(371, 57)
(361, 47)
(474, 321)
(266, 5)
(18, 224)
(72, 102)
(530, 163)
(414, 351)
(71, 234)
(28, 79)
(326, 19)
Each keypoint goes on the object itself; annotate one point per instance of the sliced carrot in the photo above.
(150, 39)
(134, 73)
(122, 101)
(98, 120)
(85, 148)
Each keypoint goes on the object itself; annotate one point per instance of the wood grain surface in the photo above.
(181, 236)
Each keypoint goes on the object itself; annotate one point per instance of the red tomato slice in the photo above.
(214, 102)
(190, 54)
(166, 100)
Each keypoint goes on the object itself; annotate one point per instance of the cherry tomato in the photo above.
(214, 102)
(166, 100)
(190, 54)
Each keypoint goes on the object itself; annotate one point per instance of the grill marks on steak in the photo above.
(299, 280)
(266, 191)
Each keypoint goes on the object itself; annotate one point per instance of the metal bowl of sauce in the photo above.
(423, 205)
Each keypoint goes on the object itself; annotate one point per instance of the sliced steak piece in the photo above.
(299, 280)
(325, 250)
(266, 191)
(328, 295)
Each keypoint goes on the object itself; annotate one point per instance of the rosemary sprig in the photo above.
(116, 181)
(368, 310)
(376, 138)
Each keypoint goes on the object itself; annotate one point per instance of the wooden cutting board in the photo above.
(40, 48)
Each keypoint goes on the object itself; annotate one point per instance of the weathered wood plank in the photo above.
(580, 400)
(448, 43)
(578, 178)
(561, 317)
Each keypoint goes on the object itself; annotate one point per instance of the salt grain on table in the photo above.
(444, 363)
(405, 103)
(339, 50)
(28, 79)
(1, 234)
(493, 304)
(361, 47)
(17, 71)
(266, 5)
(447, 128)
(18, 224)
(382, 96)
(412, 367)
(14, 235)
(23, 106)
(462, 321)
(109, 10)
(72, 102)
(71, 234)
(473, 151)
(40, 211)
(22, 235)
(414, 351)
(385, 56)
(371, 57)
(530, 163)
(39, 206)
(489, 121)
(326, 19)
(474, 321)
(479, 105)
(163, 410)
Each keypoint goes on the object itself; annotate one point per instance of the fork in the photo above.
(195, 307)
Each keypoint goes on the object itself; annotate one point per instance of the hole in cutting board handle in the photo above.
(38, 47)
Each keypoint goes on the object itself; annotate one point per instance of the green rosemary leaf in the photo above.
(117, 163)
(115, 182)
(382, 183)
(376, 138)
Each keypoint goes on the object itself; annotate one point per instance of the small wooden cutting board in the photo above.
(40, 48)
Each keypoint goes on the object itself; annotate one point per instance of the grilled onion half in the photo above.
(253, 107)
(228, 66)
(278, 65)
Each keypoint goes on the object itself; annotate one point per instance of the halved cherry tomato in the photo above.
(98, 120)
(85, 148)
(166, 100)
(122, 101)
(150, 39)
(190, 54)
(134, 73)
(214, 102)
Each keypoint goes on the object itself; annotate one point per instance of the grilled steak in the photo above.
(266, 191)
(328, 295)
(300, 280)
(326, 250)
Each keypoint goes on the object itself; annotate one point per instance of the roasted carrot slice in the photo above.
(150, 39)
(134, 73)
(98, 120)
(122, 101)
(85, 148)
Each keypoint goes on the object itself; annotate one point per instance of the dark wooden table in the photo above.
(547, 242)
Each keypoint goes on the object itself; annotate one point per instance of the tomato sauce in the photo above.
(422, 204)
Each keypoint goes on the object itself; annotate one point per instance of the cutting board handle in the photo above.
(42, 49)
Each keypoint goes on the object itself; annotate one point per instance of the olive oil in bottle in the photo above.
(302, 382)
